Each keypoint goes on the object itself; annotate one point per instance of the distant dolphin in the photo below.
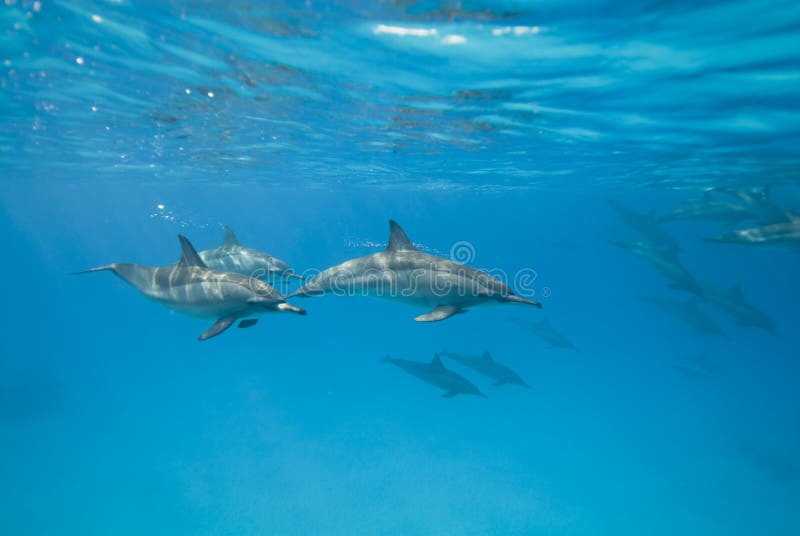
(486, 365)
(404, 273)
(707, 208)
(191, 287)
(646, 224)
(546, 332)
(695, 366)
(786, 234)
(435, 373)
(733, 302)
(758, 202)
(231, 256)
(665, 262)
(690, 314)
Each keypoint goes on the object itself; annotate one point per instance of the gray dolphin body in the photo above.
(404, 273)
(734, 303)
(695, 366)
(549, 334)
(436, 374)
(759, 204)
(665, 262)
(192, 288)
(486, 365)
(231, 256)
(689, 313)
(706, 208)
(786, 234)
(646, 224)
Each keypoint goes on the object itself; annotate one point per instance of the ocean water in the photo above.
(550, 143)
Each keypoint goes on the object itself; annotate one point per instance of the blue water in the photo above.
(305, 126)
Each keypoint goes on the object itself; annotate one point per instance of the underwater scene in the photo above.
(400, 267)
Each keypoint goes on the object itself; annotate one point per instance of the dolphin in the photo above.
(646, 224)
(786, 234)
(782, 466)
(231, 256)
(690, 314)
(546, 332)
(435, 373)
(706, 208)
(404, 273)
(695, 366)
(733, 302)
(758, 202)
(665, 262)
(486, 365)
(191, 287)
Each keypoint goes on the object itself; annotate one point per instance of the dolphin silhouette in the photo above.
(436, 374)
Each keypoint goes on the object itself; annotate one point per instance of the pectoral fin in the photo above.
(219, 326)
(441, 312)
(249, 322)
(449, 394)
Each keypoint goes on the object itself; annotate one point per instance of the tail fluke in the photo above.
(111, 267)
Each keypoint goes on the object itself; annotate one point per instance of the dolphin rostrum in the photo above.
(191, 287)
(435, 373)
(402, 272)
(231, 256)
(486, 365)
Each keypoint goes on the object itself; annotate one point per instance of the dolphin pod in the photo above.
(436, 374)
(226, 283)
(779, 228)
(486, 365)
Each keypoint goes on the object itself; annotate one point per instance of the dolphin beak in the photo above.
(289, 307)
(517, 299)
(292, 275)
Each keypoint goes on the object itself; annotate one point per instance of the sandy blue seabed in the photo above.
(589, 151)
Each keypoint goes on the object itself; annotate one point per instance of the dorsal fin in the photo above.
(189, 256)
(230, 239)
(486, 355)
(398, 240)
(437, 362)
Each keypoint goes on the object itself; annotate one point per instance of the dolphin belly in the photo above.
(207, 299)
(425, 288)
